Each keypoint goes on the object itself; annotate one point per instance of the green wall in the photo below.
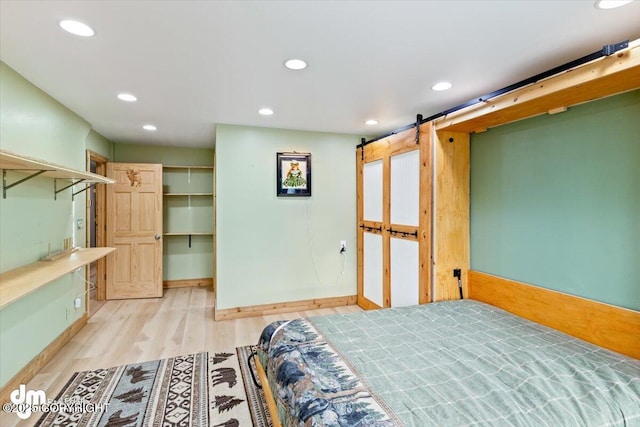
(267, 246)
(100, 145)
(36, 125)
(555, 201)
(180, 261)
(181, 156)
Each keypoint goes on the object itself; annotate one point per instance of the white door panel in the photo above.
(372, 189)
(373, 267)
(405, 188)
(404, 272)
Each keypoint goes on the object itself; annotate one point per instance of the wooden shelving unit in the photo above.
(36, 167)
(17, 283)
(188, 182)
(188, 221)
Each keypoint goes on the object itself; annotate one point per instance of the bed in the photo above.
(453, 363)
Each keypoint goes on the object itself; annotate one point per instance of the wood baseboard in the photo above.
(367, 304)
(284, 307)
(32, 368)
(605, 325)
(206, 282)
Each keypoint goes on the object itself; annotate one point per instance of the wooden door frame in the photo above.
(101, 218)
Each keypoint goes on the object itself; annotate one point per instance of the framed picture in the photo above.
(293, 178)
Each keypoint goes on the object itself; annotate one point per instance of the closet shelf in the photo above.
(188, 233)
(188, 194)
(17, 283)
(35, 167)
(186, 167)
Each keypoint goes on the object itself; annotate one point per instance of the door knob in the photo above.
(157, 236)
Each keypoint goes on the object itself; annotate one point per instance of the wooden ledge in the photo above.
(18, 283)
(17, 163)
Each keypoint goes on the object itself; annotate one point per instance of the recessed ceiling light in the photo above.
(77, 28)
(611, 4)
(371, 122)
(127, 97)
(265, 111)
(150, 128)
(295, 64)
(441, 86)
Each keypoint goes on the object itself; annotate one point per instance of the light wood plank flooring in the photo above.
(130, 331)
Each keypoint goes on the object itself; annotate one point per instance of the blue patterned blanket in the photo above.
(311, 384)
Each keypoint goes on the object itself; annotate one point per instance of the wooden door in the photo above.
(134, 228)
(394, 218)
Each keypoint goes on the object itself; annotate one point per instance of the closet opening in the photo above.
(96, 222)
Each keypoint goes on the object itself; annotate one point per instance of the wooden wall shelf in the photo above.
(17, 283)
(35, 167)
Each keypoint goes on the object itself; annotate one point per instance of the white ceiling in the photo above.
(194, 64)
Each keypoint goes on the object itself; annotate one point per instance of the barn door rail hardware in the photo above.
(6, 186)
(403, 233)
(418, 122)
(371, 229)
(607, 50)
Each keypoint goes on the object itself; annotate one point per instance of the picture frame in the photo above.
(293, 177)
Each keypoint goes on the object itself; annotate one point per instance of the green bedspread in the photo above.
(456, 363)
(465, 363)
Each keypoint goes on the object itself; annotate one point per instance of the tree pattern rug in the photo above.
(195, 390)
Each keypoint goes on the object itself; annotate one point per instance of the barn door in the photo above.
(394, 218)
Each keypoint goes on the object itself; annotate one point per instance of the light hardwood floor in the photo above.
(130, 331)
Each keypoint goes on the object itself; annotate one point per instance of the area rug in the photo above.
(255, 397)
(195, 390)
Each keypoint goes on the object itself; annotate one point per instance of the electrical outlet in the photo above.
(343, 246)
(77, 303)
